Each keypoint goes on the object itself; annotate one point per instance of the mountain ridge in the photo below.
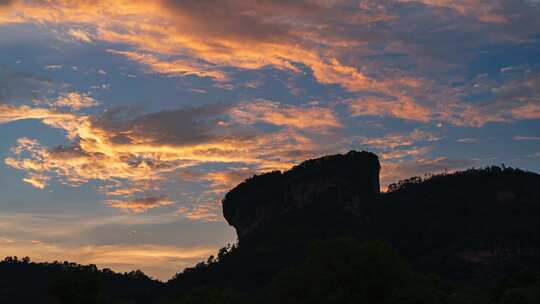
(473, 226)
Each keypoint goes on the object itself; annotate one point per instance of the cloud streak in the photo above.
(140, 205)
(71, 100)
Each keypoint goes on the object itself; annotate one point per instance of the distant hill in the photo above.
(326, 218)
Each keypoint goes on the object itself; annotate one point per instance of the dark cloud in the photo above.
(21, 87)
(242, 20)
(6, 2)
(68, 152)
(182, 127)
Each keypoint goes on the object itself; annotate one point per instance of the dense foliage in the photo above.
(23, 281)
(342, 271)
(472, 174)
(348, 271)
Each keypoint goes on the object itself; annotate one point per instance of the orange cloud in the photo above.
(220, 181)
(496, 111)
(304, 118)
(37, 180)
(71, 123)
(249, 36)
(402, 107)
(140, 205)
(175, 38)
(137, 156)
(225, 180)
(210, 212)
(527, 111)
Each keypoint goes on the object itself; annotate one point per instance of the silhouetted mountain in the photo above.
(332, 183)
(323, 233)
(473, 226)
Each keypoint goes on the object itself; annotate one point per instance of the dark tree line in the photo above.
(23, 281)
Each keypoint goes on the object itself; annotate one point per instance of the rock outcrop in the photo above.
(331, 183)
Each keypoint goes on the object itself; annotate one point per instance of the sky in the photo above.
(123, 123)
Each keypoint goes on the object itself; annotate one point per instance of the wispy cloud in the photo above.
(54, 66)
(70, 100)
(468, 140)
(80, 35)
(140, 205)
(135, 156)
(526, 138)
(401, 107)
(304, 118)
(485, 11)
(209, 212)
(396, 140)
(176, 67)
(175, 38)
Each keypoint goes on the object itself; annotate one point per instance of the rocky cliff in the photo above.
(331, 183)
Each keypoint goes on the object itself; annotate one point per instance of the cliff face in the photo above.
(331, 183)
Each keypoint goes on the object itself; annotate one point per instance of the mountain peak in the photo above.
(330, 183)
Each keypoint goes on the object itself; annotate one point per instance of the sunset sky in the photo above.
(123, 123)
